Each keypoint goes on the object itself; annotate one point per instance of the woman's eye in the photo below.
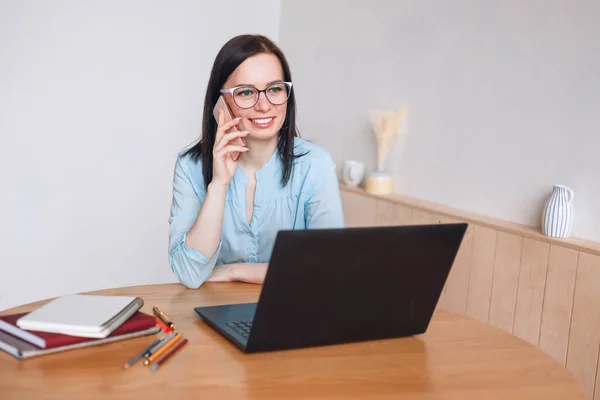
(275, 89)
(245, 92)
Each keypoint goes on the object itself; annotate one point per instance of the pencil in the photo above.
(142, 353)
(168, 355)
(165, 339)
(168, 346)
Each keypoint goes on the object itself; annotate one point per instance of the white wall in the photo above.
(502, 96)
(96, 99)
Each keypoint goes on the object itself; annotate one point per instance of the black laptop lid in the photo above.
(345, 285)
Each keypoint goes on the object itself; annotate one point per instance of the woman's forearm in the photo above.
(249, 272)
(204, 236)
(239, 272)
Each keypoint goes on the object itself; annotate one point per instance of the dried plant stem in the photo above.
(387, 127)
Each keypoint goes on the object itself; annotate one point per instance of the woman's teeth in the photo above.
(262, 121)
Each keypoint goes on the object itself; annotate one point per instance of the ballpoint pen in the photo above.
(162, 326)
(164, 349)
(163, 317)
(142, 353)
(162, 343)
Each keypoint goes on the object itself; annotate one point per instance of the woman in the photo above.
(225, 215)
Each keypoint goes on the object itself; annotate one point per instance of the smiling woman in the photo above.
(225, 214)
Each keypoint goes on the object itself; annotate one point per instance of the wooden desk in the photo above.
(457, 358)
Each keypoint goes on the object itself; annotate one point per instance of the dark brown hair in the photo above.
(231, 55)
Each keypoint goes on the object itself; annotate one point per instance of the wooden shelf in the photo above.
(495, 223)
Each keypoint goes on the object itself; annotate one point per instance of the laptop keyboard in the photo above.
(241, 327)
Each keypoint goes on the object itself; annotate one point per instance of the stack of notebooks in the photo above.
(74, 321)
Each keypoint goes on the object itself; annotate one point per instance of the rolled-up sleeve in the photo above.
(323, 208)
(189, 266)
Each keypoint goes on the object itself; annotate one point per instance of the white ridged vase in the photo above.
(557, 218)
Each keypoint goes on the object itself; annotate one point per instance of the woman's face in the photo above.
(263, 120)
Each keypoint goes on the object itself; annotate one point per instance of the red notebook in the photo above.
(138, 322)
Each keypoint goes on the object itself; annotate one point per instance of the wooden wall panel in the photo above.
(358, 210)
(505, 280)
(402, 214)
(482, 270)
(530, 294)
(421, 217)
(584, 338)
(384, 213)
(558, 302)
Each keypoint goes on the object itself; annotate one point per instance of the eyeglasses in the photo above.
(247, 96)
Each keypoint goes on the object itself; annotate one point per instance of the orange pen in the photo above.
(168, 346)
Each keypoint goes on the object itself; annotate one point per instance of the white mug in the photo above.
(353, 173)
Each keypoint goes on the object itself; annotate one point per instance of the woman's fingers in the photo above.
(228, 137)
(225, 126)
(228, 149)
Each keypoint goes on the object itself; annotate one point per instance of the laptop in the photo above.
(334, 286)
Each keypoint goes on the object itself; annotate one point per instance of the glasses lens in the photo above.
(278, 93)
(245, 96)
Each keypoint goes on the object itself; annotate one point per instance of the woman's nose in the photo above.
(262, 104)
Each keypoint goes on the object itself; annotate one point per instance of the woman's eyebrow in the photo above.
(268, 83)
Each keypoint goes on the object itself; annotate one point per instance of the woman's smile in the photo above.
(262, 123)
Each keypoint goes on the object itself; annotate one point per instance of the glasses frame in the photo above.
(233, 89)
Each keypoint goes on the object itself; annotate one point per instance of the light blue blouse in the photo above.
(311, 199)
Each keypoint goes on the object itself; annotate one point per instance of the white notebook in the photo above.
(85, 315)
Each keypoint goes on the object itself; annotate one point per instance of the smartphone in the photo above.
(222, 105)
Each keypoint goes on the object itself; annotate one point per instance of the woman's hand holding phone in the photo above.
(224, 165)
